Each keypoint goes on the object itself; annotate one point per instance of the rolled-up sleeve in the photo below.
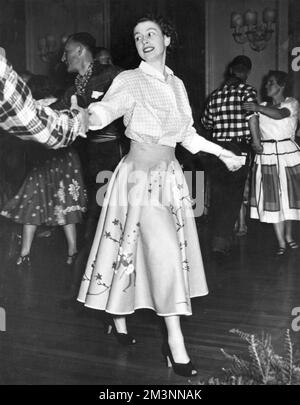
(250, 96)
(195, 143)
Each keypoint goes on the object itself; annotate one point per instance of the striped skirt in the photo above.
(275, 190)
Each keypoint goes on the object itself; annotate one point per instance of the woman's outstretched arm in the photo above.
(269, 111)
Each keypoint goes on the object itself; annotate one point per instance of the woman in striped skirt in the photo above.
(275, 195)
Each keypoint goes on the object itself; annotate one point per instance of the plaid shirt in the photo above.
(20, 116)
(224, 114)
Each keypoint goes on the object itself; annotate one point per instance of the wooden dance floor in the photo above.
(46, 343)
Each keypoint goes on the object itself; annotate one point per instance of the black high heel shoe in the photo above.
(123, 338)
(182, 369)
(292, 245)
(280, 252)
(23, 262)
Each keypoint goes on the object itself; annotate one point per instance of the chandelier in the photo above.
(246, 29)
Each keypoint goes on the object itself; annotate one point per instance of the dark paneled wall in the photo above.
(123, 15)
(12, 31)
(189, 59)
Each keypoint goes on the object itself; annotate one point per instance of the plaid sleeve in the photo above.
(207, 118)
(250, 96)
(62, 127)
(22, 118)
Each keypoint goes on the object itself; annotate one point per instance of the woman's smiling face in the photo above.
(150, 42)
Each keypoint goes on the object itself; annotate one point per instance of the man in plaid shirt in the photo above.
(234, 129)
(21, 117)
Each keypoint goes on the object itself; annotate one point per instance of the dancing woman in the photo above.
(275, 193)
(146, 252)
(53, 191)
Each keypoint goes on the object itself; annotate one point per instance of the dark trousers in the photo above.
(227, 189)
(103, 156)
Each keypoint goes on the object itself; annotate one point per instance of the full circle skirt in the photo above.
(52, 193)
(146, 251)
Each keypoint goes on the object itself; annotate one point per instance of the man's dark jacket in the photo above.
(101, 79)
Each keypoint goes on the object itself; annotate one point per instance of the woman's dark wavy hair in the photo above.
(282, 79)
(85, 39)
(166, 26)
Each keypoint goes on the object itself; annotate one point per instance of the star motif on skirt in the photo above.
(115, 221)
(107, 234)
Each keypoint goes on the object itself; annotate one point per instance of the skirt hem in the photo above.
(143, 307)
(273, 220)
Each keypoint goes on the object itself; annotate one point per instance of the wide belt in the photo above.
(275, 140)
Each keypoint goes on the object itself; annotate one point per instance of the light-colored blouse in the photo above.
(155, 109)
(280, 129)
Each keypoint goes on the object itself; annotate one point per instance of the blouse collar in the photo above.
(149, 70)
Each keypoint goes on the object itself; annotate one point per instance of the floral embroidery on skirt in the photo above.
(52, 193)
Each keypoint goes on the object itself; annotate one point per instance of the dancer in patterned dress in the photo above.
(53, 190)
(275, 195)
(146, 251)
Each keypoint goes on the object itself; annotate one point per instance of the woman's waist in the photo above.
(151, 151)
(153, 136)
(279, 146)
(283, 144)
(273, 140)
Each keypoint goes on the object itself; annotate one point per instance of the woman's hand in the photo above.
(257, 147)
(232, 161)
(251, 107)
(94, 119)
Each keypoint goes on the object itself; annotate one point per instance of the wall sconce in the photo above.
(245, 28)
(48, 46)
